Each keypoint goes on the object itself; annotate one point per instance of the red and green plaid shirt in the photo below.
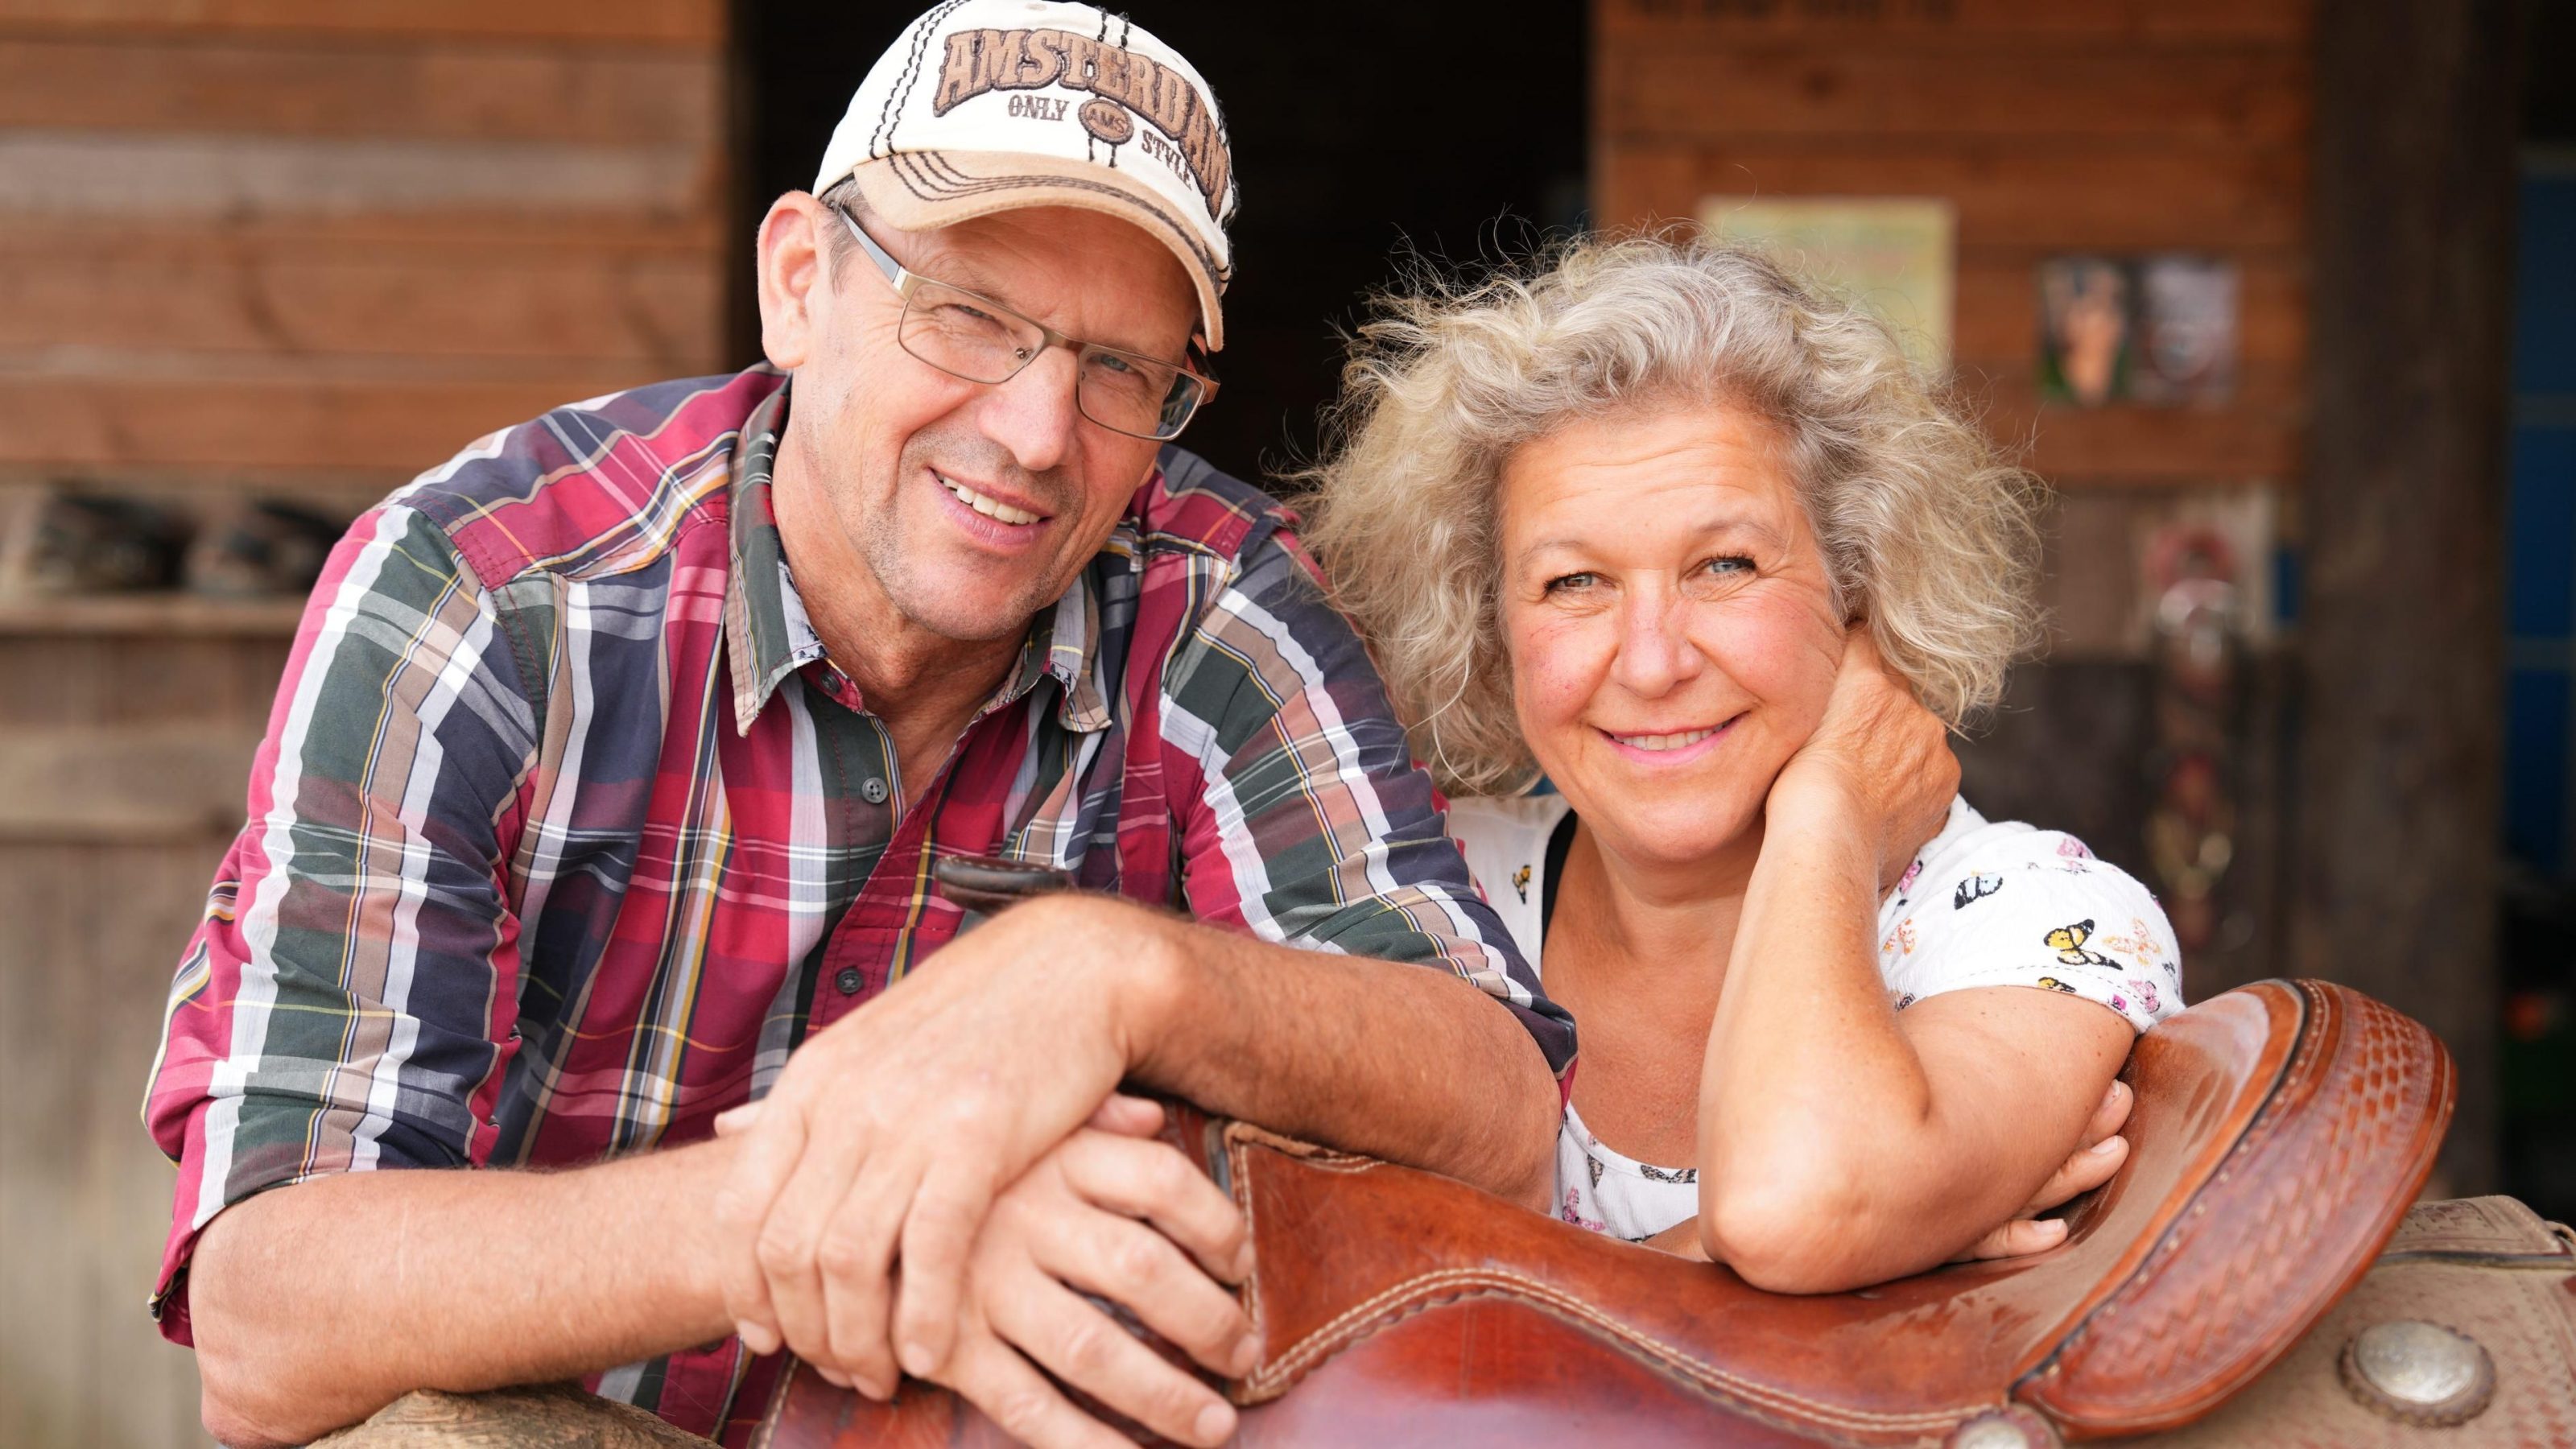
(564, 832)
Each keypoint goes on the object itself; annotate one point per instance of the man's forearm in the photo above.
(1403, 1062)
(315, 1305)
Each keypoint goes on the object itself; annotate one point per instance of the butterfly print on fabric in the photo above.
(1684, 1175)
(2068, 943)
(1975, 888)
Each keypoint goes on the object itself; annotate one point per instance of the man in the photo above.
(610, 765)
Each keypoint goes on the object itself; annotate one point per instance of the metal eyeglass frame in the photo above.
(906, 281)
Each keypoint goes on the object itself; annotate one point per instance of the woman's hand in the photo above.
(1878, 760)
(2098, 1156)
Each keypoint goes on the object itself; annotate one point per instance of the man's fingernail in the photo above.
(916, 1358)
(756, 1337)
(833, 1376)
(2106, 1146)
(1246, 1354)
(1215, 1422)
(1243, 1263)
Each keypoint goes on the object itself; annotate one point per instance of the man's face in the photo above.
(971, 506)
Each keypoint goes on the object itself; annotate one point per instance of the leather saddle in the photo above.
(2279, 1133)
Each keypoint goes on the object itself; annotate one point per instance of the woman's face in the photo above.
(1672, 632)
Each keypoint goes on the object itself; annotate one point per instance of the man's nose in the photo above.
(1655, 651)
(1033, 413)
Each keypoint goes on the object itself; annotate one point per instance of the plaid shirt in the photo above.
(565, 832)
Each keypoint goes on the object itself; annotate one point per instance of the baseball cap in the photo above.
(989, 105)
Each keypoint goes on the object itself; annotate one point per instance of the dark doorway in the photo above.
(1360, 131)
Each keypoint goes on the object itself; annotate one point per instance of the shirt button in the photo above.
(873, 790)
(849, 981)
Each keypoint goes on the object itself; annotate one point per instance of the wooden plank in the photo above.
(2146, 447)
(1728, 90)
(1997, 309)
(663, 313)
(338, 88)
(495, 235)
(148, 615)
(2285, 22)
(694, 24)
(2026, 194)
(317, 421)
(177, 174)
(134, 784)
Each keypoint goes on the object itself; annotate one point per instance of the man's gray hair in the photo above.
(1927, 529)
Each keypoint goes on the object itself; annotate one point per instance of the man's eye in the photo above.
(1111, 362)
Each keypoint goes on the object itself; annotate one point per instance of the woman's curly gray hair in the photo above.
(1927, 529)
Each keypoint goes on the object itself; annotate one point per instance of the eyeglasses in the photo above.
(972, 336)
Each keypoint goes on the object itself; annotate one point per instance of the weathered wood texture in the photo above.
(2116, 126)
(305, 247)
(2402, 624)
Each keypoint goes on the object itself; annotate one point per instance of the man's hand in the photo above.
(892, 1132)
(1076, 1224)
(1876, 754)
(2097, 1158)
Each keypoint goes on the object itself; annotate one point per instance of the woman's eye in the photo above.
(1735, 564)
(1563, 582)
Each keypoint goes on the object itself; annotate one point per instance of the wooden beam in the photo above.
(695, 24)
(1722, 90)
(2132, 197)
(2402, 621)
(2136, 22)
(337, 87)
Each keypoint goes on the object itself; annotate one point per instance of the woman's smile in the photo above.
(1668, 748)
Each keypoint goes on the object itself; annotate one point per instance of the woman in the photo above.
(1663, 526)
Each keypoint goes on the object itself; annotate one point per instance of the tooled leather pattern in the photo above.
(2297, 1213)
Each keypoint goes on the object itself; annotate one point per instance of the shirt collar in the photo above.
(768, 637)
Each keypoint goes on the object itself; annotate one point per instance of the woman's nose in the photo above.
(1655, 651)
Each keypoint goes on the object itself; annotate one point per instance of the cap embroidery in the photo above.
(980, 61)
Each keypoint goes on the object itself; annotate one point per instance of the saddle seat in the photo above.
(2279, 1133)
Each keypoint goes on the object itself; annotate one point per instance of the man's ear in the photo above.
(794, 278)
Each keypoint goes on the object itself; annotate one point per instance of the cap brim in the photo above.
(923, 190)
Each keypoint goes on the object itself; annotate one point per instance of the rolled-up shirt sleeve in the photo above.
(339, 1007)
(1312, 825)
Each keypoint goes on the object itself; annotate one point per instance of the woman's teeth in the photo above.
(1664, 742)
(989, 507)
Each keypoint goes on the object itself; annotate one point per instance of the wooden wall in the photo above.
(299, 248)
(2054, 128)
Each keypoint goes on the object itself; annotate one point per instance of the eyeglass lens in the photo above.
(960, 333)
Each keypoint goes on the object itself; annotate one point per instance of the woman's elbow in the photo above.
(1783, 1234)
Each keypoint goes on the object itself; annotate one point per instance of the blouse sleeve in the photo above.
(2035, 908)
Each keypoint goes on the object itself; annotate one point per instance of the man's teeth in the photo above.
(989, 507)
(1664, 742)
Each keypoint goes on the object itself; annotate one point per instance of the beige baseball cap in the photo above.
(988, 105)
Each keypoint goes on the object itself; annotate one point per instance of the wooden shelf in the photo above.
(168, 614)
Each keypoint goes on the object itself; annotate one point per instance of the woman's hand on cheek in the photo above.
(1878, 761)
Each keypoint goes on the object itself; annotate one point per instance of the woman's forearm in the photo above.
(1811, 1096)
(317, 1304)
(1839, 1147)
